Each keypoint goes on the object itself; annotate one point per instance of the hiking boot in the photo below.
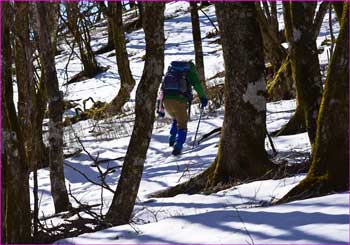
(177, 150)
(180, 140)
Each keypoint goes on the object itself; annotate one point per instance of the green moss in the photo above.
(327, 42)
(279, 88)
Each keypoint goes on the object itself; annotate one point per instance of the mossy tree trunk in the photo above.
(338, 8)
(299, 27)
(16, 202)
(77, 26)
(241, 154)
(127, 82)
(124, 199)
(55, 97)
(281, 85)
(197, 41)
(276, 87)
(329, 170)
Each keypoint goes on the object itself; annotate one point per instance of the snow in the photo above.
(229, 222)
(237, 215)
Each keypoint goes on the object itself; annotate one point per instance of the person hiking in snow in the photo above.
(175, 95)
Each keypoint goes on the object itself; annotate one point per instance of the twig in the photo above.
(331, 31)
(88, 179)
(107, 160)
(217, 31)
(85, 208)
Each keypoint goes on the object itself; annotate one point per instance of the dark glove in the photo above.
(160, 114)
(204, 102)
(160, 108)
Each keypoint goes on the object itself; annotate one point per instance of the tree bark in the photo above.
(295, 125)
(140, 8)
(274, 19)
(58, 187)
(24, 75)
(281, 85)
(110, 42)
(127, 82)
(124, 199)
(329, 170)
(53, 9)
(241, 153)
(304, 59)
(16, 202)
(322, 10)
(197, 41)
(338, 8)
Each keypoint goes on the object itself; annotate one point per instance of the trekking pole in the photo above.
(200, 117)
(189, 111)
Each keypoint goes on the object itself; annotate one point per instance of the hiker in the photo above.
(176, 97)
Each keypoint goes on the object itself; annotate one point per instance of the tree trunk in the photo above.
(53, 9)
(132, 4)
(304, 59)
(41, 151)
(124, 199)
(274, 19)
(140, 8)
(58, 187)
(295, 125)
(197, 41)
(24, 76)
(82, 38)
(127, 82)
(241, 154)
(318, 20)
(329, 170)
(110, 42)
(17, 217)
(281, 85)
(338, 8)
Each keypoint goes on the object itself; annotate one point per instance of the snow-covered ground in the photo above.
(236, 215)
